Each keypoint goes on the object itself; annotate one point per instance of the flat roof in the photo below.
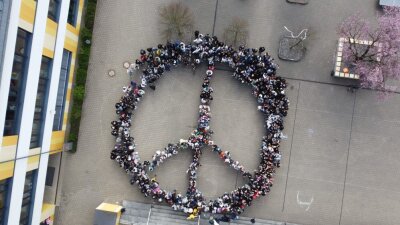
(390, 2)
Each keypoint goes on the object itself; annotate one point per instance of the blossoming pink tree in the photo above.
(380, 59)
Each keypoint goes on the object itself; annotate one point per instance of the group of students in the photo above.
(251, 66)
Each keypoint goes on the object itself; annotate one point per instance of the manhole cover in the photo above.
(111, 73)
(126, 65)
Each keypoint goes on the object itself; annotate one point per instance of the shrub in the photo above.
(85, 34)
(176, 20)
(81, 74)
(83, 57)
(76, 113)
(90, 14)
(73, 136)
(79, 93)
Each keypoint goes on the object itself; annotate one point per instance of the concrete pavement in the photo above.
(340, 158)
(321, 17)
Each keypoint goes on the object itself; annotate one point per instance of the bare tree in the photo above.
(237, 32)
(176, 20)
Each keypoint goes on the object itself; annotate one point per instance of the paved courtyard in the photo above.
(340, 161)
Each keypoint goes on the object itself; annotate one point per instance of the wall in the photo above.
(26, 21)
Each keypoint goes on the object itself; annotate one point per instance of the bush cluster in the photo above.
(81, 72)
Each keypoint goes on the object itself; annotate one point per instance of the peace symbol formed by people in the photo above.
(253, 67)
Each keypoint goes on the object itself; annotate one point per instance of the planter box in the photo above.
(285, 52)
(341, 68)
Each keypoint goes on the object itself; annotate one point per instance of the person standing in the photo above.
(129, 71)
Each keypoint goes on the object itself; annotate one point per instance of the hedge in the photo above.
(78, 91)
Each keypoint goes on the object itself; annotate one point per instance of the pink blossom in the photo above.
(377, 62)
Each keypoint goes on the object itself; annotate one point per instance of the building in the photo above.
(38, 49)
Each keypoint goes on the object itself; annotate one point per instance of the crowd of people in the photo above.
(253, 67)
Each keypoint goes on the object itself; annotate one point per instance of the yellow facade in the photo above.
(111, 208)
(26, 21)
(48, 211)
(6, 170)
(27, 15)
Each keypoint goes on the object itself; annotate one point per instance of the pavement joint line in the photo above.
(335, 84)
(333, 182)
(321, 82)
(374, 189)
(321, 111)
(215, 16)
(237, 177)
(376, 118)
(347, 160)
(291, 146)
(233, 100)
(317, 180)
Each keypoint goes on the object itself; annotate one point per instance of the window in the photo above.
(73, 12)
(41, 103)
(17, 83)
(54, 9)
(62, 90)
(28, 198)
(4, 198)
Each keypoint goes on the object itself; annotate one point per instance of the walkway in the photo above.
(340, 160)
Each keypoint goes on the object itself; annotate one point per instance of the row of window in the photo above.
(18, 79)
(17, 89)
(4, 198)
(54, 11)
(15, 103)
(17, 85)
(27, 198)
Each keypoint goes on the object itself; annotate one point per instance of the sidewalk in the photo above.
(321, 17)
